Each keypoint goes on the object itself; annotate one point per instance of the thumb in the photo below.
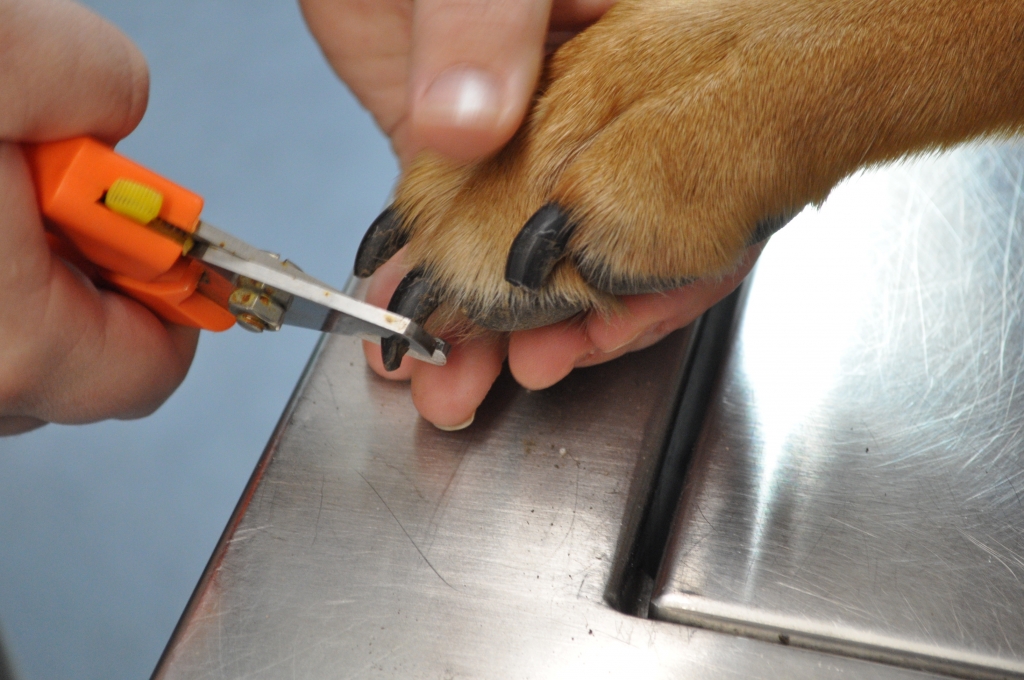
(64, 71)
(474, 68)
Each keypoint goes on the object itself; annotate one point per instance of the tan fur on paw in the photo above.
(673, 133)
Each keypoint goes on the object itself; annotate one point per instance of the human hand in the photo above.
(404, 62)
(69, 353)
(449, 395)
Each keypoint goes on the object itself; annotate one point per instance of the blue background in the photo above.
(106, 528)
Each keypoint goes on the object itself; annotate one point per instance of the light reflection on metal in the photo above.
(858, 486)
(789, 367)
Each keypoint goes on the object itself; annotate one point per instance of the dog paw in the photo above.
(653, 156)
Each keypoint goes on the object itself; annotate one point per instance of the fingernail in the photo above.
(461, 96)
(658, 331)
(460, 426)
(653, 336)
(624, 343)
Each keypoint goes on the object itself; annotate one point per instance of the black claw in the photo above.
(414, 298)
(538, 246)
(392, 350)
(382, 240)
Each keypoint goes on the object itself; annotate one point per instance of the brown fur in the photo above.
(671, 127)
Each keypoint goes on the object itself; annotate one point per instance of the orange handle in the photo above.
(72, 177)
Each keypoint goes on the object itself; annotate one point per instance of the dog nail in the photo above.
(392, 350)
(538, 246)
(414, 298)
(765, 228)
(382, 240)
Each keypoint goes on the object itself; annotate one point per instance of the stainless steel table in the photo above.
(859, 481)
(850, 506)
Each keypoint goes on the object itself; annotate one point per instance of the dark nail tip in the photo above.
(392, 350)
(414, 297)
(383, 239)
(538, 246)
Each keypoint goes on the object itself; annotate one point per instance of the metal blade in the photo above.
(314, 304)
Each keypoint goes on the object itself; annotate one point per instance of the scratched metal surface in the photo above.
(373, 545)
(858, 485)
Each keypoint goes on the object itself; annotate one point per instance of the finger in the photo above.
(68, 352)
(124, 362)
(449, 395)
(18, 425)
(540, 357)
(474, 68)
(658, 314)
(576, 14)
(650, 336)
(643, 312)
(64, 71)
(95, 355)
(367, 43)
